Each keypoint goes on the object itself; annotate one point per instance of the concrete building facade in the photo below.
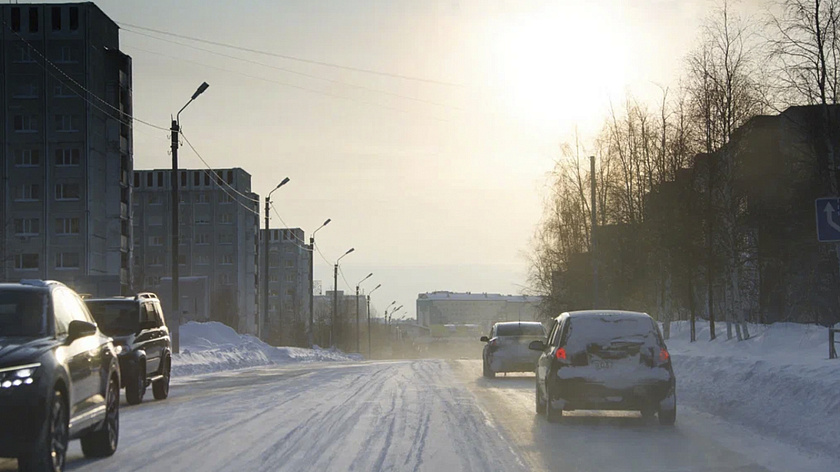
(288, 286)
(66, 145)
(436, 310)
(219, 222)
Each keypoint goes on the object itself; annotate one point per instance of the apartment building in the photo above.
(66, 143)
(218, 216)
(288, 287)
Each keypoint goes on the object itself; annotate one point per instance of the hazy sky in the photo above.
(438, 187)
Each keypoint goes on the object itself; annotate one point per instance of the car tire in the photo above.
(103, 441)
(488, 372)
(135, 385)
(160, 388)
(553, 415)
(51, 452)
(668, 417)
(540, 404)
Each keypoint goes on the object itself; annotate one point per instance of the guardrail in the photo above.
(832, 350)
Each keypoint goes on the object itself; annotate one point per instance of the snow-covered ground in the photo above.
(215, 347)
(780, 383)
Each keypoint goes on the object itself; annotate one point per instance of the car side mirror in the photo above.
(79, 329)
(537, 346)
(484, 339)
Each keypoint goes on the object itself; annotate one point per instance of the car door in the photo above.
(544, 362)
(74, 353)
(154, 347)
(98, 364)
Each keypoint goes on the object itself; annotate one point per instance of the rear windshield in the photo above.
(520, 329)
(607, 330)
(22, 313)
(115, 318)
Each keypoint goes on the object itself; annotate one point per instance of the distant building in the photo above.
(66, 147)
(438, 309)
(218, 237)
(288, 286)
(346, 315)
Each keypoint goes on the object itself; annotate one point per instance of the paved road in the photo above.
(426, 415)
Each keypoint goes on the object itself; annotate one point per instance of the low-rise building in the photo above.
(445, 312)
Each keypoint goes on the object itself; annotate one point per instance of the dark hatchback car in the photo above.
(59, 377)
(605, 360)
(142, 341)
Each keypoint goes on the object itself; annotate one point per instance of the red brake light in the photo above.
(560, 353)
(664, 356)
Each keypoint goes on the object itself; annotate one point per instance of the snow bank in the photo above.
(780, 382)
(214, 347)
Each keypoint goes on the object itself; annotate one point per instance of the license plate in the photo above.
(599, 365)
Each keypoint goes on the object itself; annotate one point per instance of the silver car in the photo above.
(506, 349)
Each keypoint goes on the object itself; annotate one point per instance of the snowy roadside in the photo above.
(779, 383)
(215, 347)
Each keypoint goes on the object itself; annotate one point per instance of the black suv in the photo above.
(59, 377)
(142, 341)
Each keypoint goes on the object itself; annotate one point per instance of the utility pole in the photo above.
(368, 315)
(333, 332)
(311, 291)
(264, 276)
(358, 331)
(594, 250)
(176, 297)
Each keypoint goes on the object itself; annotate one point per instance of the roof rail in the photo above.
(145, 295)
(34, 282)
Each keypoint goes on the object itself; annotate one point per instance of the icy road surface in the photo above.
(405, 416)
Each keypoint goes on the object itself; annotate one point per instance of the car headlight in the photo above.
(118, 349)
(18, 375)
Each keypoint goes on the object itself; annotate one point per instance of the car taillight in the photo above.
(560, 354)
(664, 357)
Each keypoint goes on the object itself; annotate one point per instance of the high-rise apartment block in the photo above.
(219, 219)
(288, 287)
(66, 146)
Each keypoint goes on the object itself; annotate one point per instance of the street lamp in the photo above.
(176, 305)
(265, 263)
(335, 297)
(312, 284)
(368, 315)
(358, 339)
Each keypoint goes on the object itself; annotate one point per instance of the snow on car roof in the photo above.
(629, 314)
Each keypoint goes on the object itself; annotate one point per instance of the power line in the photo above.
(292, 71)
(297, 59)
(341, 272)
(284, 223)
(322, 255)
(255, 200)
(286, 84)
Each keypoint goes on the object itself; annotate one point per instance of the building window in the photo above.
(155, 260)
(225, 218)
(66, 226)
(202, 220)
(227, 259)
(66, 123)
(155, 240)
(273, 277)
(74, 18)
(56, 18)
(67, 260)
(225, 278)
(22, 54)
(28, 89)
(273, 260)
(16, 19)
(156, 220)
(183, 179)
(202, 239)
(27, 226)
(182, 259)
(62, 90)
(33, 20)
(26, 123)
(26, 261)
(27, 158)
(206, 178)
(289, 263)
(201, 197)
(149, 178)
(225, 198)
(225, 238)
(290, 277)
(159, 179)
(67, 55)
(202, 259)
(154, 199)
(136, 183)
(27, 193)
(67, 157)
(69, 191)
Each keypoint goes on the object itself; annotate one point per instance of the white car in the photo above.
(506, 349)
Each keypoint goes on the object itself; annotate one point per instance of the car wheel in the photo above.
(667, 417)
(160, 388)
(135, 385)
(488, 372)
(538, 398)
(103, 442)
(51, 452)
(553, 415)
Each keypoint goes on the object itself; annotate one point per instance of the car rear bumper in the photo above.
(590, 394)
(22, 415)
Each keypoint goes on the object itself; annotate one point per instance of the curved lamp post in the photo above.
(265, 263)
(335, 297)
(312, 284)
